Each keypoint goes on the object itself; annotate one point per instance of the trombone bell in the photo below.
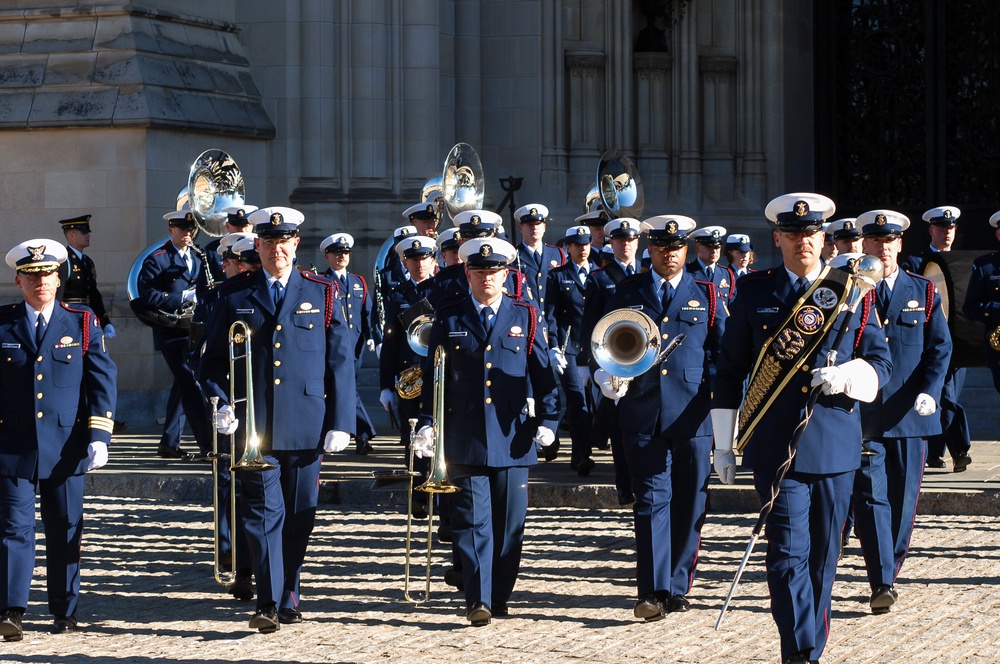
(625, 343)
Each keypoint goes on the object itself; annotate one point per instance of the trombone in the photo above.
(252, 459)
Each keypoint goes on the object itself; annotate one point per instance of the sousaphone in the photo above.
(619, 187)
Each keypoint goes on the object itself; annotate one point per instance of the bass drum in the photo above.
(950, 271)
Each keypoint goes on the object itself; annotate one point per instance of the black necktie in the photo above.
(667, 295)
(709, 272)
(801, 284)
(484, 315)
(277, 292)
(538, 257)
(343, 285)
(629, 270)
(583, 275)
(884, 295)
(39, 329)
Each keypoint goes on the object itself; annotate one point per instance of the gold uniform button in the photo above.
(666, 319)
(38, 359)
(349, 306)
(277, 363)
(456, 347)
(277, 344)
(666, 336)
(805, 368)
(40, 415)
(38, 377)
(489, 383)
(489, 400)
(489, 347)
(39, 395)
(489, 365)
(310, 326)
(805, 389)
(278, 328)
(663, 372)
(764, 327)
(277, 381)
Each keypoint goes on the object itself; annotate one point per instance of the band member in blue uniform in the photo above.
(447, 244)
(535, 256)
(390, 277)
(829, 245)
(664, 416)
(174, 278)
(237, 221)
(982, 302)
(804, 528)
(708, 249)
(623, 234)
(423, 217)
(495, 361)
(564, 310)
(904, 413)
(56, 417)
(942, 224)
(304, 402)
(846, 235)
(79, 274)
(353, 291)
(739, 254)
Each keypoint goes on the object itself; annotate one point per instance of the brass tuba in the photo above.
(619, 186)
(462, 184)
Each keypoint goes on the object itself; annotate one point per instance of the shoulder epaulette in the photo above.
(235, 280)
(6, 308)
(329, 286)
(88, 315)
(158, 252)
(929, 300)
(562, 253)
(758, 274)
(532, 321)
(713, 299)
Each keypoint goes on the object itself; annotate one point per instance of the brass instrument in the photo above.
(619, 186)
(437, 480)
(410, 382)
(223, 577)
(418, 333)
(417, 321)
(252, 459)
(626, 344)
(462, 185)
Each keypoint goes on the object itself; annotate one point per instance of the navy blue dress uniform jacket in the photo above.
(564, 310)
(723, 276)
(396, 355)
(489, 379)
(832, 441)
(451, 281)
(79, 285)
(303, 362)
(672, 400)
(162, 281)
(920, 346)
(57, 398)
(982, 303)
(536, 275)
(357, 307)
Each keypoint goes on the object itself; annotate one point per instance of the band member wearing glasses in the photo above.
(304, 402)
(56, 417)
(495, 361)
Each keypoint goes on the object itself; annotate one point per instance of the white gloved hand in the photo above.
(423, 442)
(370, 345)
(336, 441)
(97, 452)
(378, 351)
(603, 380)
(109, 331)
(724, 427)
(558, 360)
(190, 295)
(857, 379)
(583, 373)
(529, 404)
(225, 421)
(544, 436)
(389, 399)
(925, 405)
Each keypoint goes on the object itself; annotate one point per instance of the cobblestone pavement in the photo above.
(148, 596)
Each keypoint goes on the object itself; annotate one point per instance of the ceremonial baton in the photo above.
(867, 273)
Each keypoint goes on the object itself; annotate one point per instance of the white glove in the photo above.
(584, 374)
(370, 345)
(529, 404)
(544, 436)
(423, 442)
(724, 426)
(603, 380)
(225, 421)
(857, 379)
(389, 399)
(190, 295)
(109, 331)
(97, 452)
(336, 441)
(925, 405)
(378, 351)
(558, 360)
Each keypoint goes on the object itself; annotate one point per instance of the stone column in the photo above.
(653, 111)
(587, 119)
(751, 165)
(686, 127)
(373, 52)
(718, 76)
(554, 157)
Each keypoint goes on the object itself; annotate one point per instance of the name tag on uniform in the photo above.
(458, 334)
(637, 307)
(10, 346)
(244, 311)
(767, 310)
(358, 287)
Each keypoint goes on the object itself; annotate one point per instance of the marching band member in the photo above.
(423, 217)
(708, 250)
(786, 318)
(739, 254)
(846, 235)
(447, 244)
(829, 245)
(494, 362)
(304, 402)
(564, 310)
(664, 418)
(79, 274)
(536, 257)
(353, 292)
(237, 221)
(903, 414)
(56, 417)
(982, 301)
(595, 221)
(173, 278)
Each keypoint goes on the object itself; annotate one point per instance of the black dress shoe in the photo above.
(453, 577)
(625, 498)
(444, 533)
(479, 615)
(961, 462)
(64, 624)
(649, 608)
(10, 624)
(678, 604)
(289, 616)
(500, 610)
(551, 452)
(242, 588)
(419, 511)
(119, 426)
(362, 446)
(169, 452)
(585, 466)
(797, 657)
(265, 620)
(935, 462)
(882, 599)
